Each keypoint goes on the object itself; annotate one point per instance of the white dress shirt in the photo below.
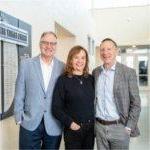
(46, 72)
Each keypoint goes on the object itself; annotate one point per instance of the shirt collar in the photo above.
(43, 63)
(113, 68)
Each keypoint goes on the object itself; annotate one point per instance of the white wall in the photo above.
(73, 15)
(128, 25)
(65, 44)
(33, 12)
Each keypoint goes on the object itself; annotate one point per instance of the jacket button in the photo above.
(44, 97)
(45, 111)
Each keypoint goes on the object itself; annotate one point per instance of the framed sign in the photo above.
(12, 34)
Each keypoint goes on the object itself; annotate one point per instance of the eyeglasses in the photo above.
(48, 43)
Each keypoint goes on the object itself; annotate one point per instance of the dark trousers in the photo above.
(80, 139)
(38, 139)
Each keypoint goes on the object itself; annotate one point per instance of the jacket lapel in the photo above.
(53, 74)
(39, 71)
(117, 77)
(117, 80)
(97, 73)
(96, 76)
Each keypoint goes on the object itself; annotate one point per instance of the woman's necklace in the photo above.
(80, 80)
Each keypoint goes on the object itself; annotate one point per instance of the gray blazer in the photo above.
(31, 101)
(126, 95)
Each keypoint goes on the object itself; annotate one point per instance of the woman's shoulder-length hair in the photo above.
(69, 67)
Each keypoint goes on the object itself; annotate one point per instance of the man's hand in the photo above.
(18, 123)
(74, 126)
(128, 130)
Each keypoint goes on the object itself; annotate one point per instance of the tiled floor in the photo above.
(9, 130)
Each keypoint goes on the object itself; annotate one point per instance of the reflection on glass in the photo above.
(143, 70)
(143, 67)
(143, 80)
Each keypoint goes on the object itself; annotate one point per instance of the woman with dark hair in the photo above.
(73, 101)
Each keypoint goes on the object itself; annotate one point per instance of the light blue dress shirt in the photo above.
(105, 103)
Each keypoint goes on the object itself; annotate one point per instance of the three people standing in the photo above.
(49, 98)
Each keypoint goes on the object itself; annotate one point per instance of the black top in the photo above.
(73, 99)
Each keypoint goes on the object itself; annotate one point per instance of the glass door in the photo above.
(143, 70)
(138, 60)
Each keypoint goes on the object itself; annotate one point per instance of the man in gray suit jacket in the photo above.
(117, 101)
(33, 97)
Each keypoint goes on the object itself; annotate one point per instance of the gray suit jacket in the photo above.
(31, 101)
(126, 95)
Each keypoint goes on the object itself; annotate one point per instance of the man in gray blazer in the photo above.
(33, 97)
(117, 101)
